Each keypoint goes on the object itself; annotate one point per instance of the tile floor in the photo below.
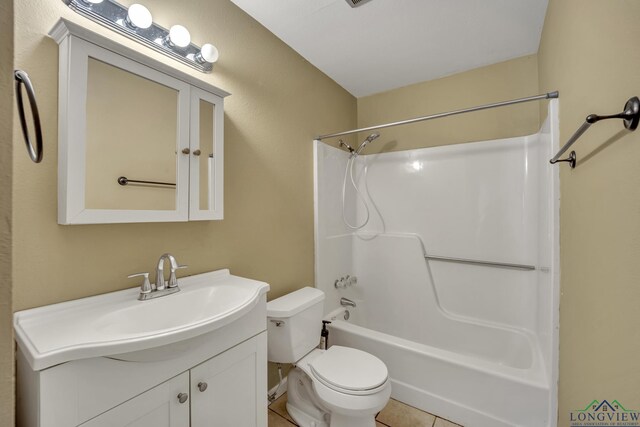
(395, 414)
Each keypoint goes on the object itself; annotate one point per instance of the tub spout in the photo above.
(346, 302)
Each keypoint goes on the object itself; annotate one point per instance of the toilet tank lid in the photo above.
(293, 303)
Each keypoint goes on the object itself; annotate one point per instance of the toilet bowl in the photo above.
(337, 387)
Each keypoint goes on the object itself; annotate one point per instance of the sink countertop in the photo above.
(117, 322)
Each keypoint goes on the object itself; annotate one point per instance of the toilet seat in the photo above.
(349, 371)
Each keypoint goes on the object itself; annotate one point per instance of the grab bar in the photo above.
(478, 262)
(630, 115)
(22, 78)
(123, 180)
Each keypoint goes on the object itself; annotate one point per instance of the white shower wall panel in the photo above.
(497, 295)
(330, 163)
(397, 297)
(476, 201)
(335, 252)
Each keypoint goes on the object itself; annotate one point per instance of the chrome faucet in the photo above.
(160, 282)
(346, 302)
(161, 287)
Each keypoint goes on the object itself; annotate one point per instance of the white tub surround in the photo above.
(473, 343)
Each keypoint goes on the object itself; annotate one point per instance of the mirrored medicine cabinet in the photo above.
(139, 141)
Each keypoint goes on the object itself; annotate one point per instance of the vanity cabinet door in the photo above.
(236, 387)
(206, 163)
(158, 407)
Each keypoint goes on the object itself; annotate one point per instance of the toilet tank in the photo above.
(294, 322)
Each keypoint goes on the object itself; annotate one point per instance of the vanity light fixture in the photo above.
(178, 36)
(137, 23)
(208, 53)
(138, 16)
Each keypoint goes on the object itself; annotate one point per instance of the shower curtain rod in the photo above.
(548, 95)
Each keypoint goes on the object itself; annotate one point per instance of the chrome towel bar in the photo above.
(630, 115)
(123, 180)
(482, 263)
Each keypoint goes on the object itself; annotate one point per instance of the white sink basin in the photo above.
(118, 323)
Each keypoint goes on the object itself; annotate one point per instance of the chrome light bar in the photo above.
(115, 16)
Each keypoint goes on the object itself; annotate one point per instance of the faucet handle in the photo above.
(173, 280)
(146, 285)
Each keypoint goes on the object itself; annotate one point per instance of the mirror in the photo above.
(139, 141)
(206, 158)
(122, 142)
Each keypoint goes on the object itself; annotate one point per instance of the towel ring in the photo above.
(35, 152)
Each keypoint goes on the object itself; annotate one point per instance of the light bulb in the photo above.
(179, 36)
(139, 16)
(208, 53)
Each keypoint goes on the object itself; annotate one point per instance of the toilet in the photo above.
(337, 387)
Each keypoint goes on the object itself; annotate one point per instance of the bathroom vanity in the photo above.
(193, 358)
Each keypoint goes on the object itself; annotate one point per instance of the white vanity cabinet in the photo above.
(194, 358)
(138, 140)
(227, 390)
(157, 407)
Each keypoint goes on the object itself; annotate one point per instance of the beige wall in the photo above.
(589, 52)
(6, 112)
(516, 78)
(279, 102)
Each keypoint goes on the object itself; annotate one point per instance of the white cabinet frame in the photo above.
(216, 179)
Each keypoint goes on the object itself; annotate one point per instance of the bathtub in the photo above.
(485, 389)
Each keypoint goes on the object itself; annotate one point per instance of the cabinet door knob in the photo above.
(197, 152)
(182, 397)
(185, 151)
(202, 386)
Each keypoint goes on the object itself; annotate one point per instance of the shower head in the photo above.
(367, 140)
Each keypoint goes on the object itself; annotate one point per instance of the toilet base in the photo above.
(307, 410)
(304, 420)
(302, 403)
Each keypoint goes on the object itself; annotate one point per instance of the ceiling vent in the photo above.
(355, 3)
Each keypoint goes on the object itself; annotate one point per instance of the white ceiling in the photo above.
(385, 44)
